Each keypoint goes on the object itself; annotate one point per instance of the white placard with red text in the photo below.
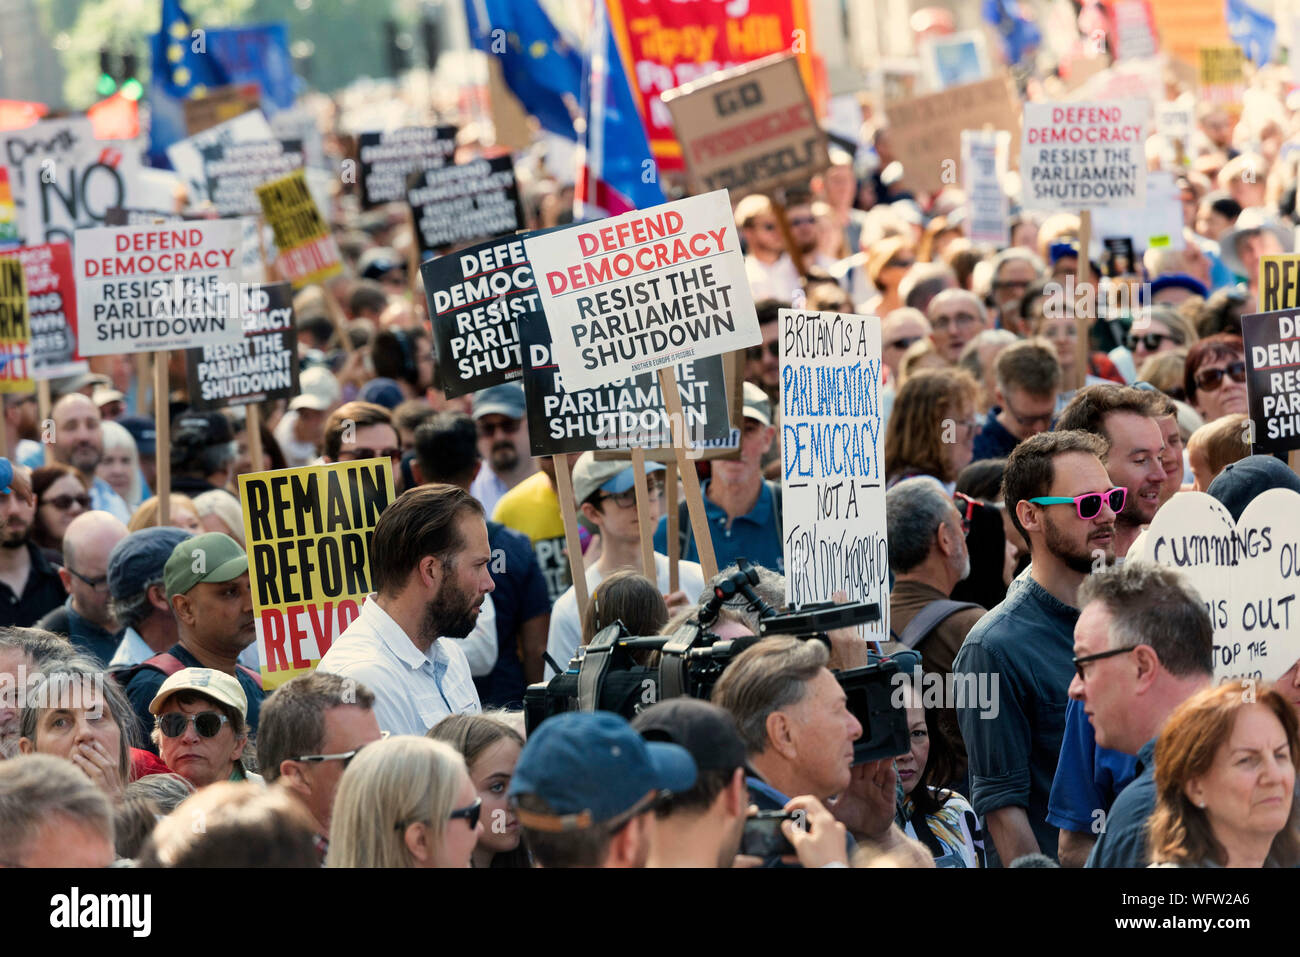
(1084, 155)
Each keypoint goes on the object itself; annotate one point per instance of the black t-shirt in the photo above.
(42, 593)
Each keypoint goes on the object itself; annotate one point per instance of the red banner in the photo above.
(665, 43)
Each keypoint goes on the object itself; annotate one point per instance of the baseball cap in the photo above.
(194, 432)
(216, 685)
(222, 561)
(590, 476)
(378, 260)
(1238, 484)
(317, 389)
(757, 405)
(708, 732)
(591, 767)
(144, 432)
(140, 558)
(506, 399)
(1174, 280)
(104, 394)
(382, 391)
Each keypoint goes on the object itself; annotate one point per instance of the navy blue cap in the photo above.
(591, 767)
(139, 558)
(383, 392)
(1239, 483)
(1174, 280)
(143, 430)
(506, 399)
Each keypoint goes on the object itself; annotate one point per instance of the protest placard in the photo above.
(456, 204)
(1272, 378)
(307, 252)
(1279, 282)
(74, 191)
(264, 365)
(1187, 25)
(1221, 78)
(474, 298)
(1159, 223)
(15, 329)
(186, 156)
(389, 158)
(308, 533)
(1083, 156)
(218, 105)
(1245, 571)
(645, 290)
(1134, 36)
(52, 309)
(8, 211)
(984, 163)
(749, 129)
(833, 453)
(233, 171)
(47, 140)
(1119, 259)
(150, 288)
(955, 59)
(925, 132)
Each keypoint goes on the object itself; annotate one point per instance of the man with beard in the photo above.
(502, 442)
(22, 425)
(206, 580)
(429, 566)
(78, 441)
(29, 585)
(1063, 503)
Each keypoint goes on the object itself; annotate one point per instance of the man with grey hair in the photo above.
(137, 597)
(923, 282)
(979, 356)
(51, 815)
(85, 617)
(956, 317)
(1144, 644)
(1028, 377)
(1013, 271)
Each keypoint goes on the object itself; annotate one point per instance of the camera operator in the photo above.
(799, 734)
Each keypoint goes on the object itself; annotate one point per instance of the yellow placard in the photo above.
(308, 532)
(15, 328)
(1279, 282)
(307, 251)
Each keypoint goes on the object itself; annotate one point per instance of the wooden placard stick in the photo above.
(643, 514)
(670, 509)
(577, 567)
(1082, 319)
(142, 376)
(783, 223)
(43, 399)
(253, 427)
(690, 480)
(340, 321)
(162, 422)
(413, 254)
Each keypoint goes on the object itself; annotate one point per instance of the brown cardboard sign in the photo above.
(748, 129)
(223, 103)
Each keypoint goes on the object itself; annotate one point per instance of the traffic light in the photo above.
(132, 89)
(106, 85)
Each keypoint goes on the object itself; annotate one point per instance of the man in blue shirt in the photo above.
(1028, 379)
(743, 511)
(1056, 491)
(1143, 645)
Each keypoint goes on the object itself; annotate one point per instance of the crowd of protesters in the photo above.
(1013, 456)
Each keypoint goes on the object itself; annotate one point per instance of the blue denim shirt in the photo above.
(754, 535)
(1026, 645)
(1124, 842)
(1088, 776)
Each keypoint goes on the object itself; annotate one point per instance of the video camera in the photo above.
(606, 676)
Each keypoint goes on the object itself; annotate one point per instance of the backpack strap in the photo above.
(255, 675)
(930, 617)
(169, 664)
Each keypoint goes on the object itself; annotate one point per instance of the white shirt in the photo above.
(413, 691)
(777, 281)
(132, 650)
(488, 488)
(566, 627)
(296, 452)
(480, 645)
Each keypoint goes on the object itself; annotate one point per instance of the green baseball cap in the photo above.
(210, 557)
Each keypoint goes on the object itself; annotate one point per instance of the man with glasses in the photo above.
(363, 430)
(312, 726)
(86, 617)
(499, 413)
(200, 726)
(1028, 378)
(771, 271)
(30, 586)
(1143, 644)
(606, 495)
(956, 317)
(1014, 271)
(1062, 502)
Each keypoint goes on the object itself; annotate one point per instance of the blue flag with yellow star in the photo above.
(182, 67)
(537, 62)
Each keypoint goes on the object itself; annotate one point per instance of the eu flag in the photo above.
(183, 66)
(1250, 30)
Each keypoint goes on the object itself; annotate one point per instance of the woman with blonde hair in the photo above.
(120, 465)
(219, 511)
(1225, 768)
(932, 427)
(183, 514)
(405, 802)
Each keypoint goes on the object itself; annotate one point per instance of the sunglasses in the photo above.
(206, 723)
(903, 343)
(628, 499)
(506, 426)
(900, 264)
(364, 453)
(1208, 380)
(470, 813)
(1150, 341)
(754, 353)
(344, 756)
(65, 502)
(1088, 505)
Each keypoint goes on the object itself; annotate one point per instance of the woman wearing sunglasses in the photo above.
(201, 728)
(1215, 376)
(1158, 330)
(61, 495)
(405, 802)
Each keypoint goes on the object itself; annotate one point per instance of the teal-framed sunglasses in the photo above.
(1088, 505)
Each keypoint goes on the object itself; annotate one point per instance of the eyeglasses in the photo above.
(344, 756)
(970, 426)
(803, 221)
(754, 353)
(1151, 341)
(1080, 662)
(1088, 505)
(206, 723)
(1012, 284)
(506, 426)
(470, 813)
(1029, 421)
(65, 502)
(628, 499)
(768, 227)
(1208, 380)
(961, 319)
(99, 584)
(903, 343)
(900, 264)
(365, 453)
